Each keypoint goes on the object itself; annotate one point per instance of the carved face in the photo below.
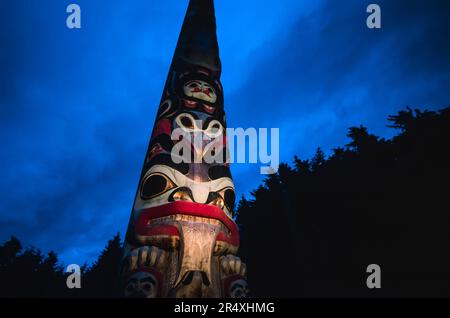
(142, 285)
(195, 181)
(162, 184)
(200, 90)
(168, 197)
(238, 289)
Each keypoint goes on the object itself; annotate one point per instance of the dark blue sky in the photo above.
(77, 106)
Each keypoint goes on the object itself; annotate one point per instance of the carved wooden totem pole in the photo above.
(181, 239)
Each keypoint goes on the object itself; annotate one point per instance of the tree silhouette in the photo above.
(102, 277)
(313, 229)
(28, 273)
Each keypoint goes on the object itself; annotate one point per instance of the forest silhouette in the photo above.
(312, 229)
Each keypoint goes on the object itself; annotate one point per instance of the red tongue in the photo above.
(196, 248)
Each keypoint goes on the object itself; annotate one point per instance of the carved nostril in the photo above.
(182, 196)
(216, 199)
(218, 202)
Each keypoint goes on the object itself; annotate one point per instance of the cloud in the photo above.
(77, 106)
(331, 72)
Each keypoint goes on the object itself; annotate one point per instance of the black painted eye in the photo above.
(187, 122)
(154, 185)
(193, 85)
(230, 198)
(219, 171)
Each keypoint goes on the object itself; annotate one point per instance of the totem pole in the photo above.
(181, 239)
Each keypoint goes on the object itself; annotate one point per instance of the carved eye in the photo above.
(154, 185)
(215, 129)
(187, 122)
(193, 85)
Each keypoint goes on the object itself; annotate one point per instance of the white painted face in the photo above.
(201, 90)
(142, 285)
(160, 180)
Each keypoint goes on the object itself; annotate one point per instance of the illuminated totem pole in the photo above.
(181, 239)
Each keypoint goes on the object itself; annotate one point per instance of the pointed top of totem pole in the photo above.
(197, 43)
